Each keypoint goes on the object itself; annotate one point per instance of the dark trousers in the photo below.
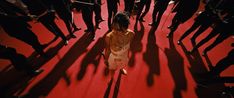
(87, 15)
(26, 35)
(112, 10)
(48, 21)
(97, 11)
(128, 6)
(159, 9)
(141, 5)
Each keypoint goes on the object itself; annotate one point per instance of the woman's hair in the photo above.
(120, 22)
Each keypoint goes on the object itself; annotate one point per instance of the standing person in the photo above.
(68, 4)
(128, 6)
(45, 16)
(184, 11)
(112, 8)
(97, 11)
(86, 7)
(64, 13)
(118, 43)
(17, 26)
(140, 16)
(159, 8)
(203, 21)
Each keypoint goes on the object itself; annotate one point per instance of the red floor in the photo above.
(158, 68)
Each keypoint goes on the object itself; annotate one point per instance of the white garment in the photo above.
(119, 59)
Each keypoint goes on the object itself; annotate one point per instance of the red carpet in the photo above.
(158, 67)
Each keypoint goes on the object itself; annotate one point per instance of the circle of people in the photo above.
(15, 15)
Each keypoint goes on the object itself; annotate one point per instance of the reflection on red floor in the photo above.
(158, 67)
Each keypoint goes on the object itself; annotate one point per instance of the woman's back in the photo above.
(120, 42)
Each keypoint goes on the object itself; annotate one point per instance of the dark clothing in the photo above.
(87, 13)
(185, 9)
(97, 11)
(17, 27)
(19, 61)
(128, 6)
(37, 7)
(140, 6)
(159, 8)
(203, 21)
(224, 29)
(63, 11)
(112, 8)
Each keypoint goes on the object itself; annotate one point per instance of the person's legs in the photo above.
(147, 7)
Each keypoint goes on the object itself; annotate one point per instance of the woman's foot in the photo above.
(123, 71)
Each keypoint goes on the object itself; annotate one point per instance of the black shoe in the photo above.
(204, 53)
(76, 29)
(101, 20)
(98, 27)
(35, 72)
(87, 30)
(169, 35)
(142, 20)
(65, 42)
(170, 27)
(73, 36)
(179, 42)
(92, 36)
(152, 24)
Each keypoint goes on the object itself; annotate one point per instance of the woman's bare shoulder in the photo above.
(130, 32)
(108, 35)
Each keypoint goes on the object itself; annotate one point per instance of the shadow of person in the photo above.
(176, 67)
(197, 66)
(151, 57)
(12, 81)
(92, 57)
(136, 45)
(116, 88)
(60, 68)
(213, 76)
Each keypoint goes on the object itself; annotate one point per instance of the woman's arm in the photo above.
(107, 49)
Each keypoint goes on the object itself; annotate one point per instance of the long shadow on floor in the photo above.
(151, 56)
(92, 57)
(176, 67)
(198, 66)
(16, 81)
(116, 87)
(43, 87)
(136, 45)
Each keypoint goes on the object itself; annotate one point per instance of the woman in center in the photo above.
(118, 44)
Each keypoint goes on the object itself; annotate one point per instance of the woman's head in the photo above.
(120, 22)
